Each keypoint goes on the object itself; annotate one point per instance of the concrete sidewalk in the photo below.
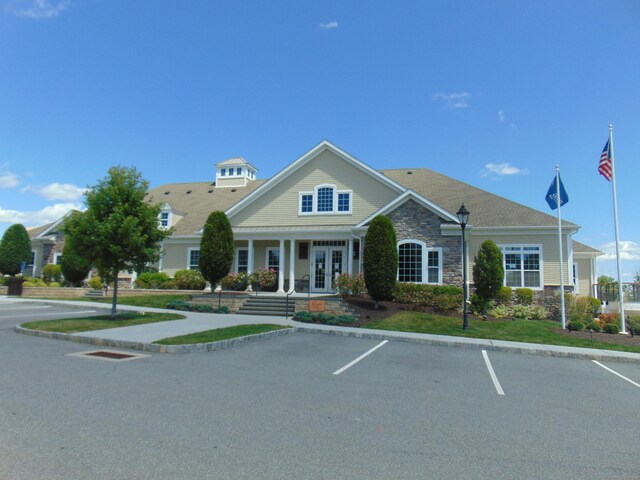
(141, 337)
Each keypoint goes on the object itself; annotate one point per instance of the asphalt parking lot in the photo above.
(312, 406)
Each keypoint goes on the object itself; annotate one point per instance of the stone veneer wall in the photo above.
(414, 222)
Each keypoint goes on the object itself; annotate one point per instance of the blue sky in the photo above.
(494, 93)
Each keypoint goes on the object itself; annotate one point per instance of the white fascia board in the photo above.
(516, 230)
(54, 225)
(307, 235)
(407, 195)
(303, 160)
(182, 239)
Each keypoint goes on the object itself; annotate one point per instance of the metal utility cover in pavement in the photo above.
(109, 355)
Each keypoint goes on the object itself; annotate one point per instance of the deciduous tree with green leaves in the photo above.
(380, 259)
(216, 248)
(119, 229)
(488, 272)
(15, 248)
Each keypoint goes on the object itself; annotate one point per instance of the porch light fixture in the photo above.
(463, 218)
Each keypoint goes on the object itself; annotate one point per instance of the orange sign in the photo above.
(317, 306)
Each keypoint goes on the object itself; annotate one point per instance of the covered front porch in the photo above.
(305, 262)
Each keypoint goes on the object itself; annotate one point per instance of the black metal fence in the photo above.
(609, 292)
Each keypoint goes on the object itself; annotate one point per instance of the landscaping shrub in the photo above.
(524, 296)
(15, 248)
(443, 298)
(95, 283)
(352, 285)
(33, 282)
(380, 259)
(177, 305)
(157, 280)
(575, 326)
(51, 273)
(54, 285)
(505, 296)
(235, 281)
(189, 280)
(581, 308)
(324, 318)
(607, 318)
(594, 326)
(501, 311)
(265, 280)
(222, 309)
(303, 316)
(201, 307)
(488, 273)
(478, 304)
(611, 328)
(4, 281)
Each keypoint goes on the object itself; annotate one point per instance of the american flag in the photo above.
(605, 166)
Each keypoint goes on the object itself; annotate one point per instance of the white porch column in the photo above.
(292, 261)
(350, 256)
(281, 267)
(250, 261)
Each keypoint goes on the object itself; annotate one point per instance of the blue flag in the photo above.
(552, 194)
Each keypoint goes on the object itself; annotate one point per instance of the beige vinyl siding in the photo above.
(550, 253)
(584, 276)
(176, 256)
(279, 206)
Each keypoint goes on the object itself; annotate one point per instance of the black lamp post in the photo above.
(463, 217)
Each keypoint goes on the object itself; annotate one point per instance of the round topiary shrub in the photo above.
(594, 326)
(611, 328)
(189, 280)
(575, 326)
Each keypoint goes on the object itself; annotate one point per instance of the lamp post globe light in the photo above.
(463, 218)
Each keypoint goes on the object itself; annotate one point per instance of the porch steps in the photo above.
(271, 306)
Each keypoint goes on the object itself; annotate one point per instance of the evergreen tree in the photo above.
(216, 248)
(488, 272)
(74, 267)
(119, 229)
(15, 248)
(380, 259)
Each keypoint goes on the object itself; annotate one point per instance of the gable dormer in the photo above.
(235, 172)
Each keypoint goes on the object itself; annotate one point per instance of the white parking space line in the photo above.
(62, 314)
(349, 365)
(616, 373)
(496, 383)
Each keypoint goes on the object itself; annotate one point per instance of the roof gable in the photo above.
(322, 147)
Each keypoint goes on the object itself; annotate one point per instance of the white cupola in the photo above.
(235, 172)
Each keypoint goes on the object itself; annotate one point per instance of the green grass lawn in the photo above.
(76, 325)
(220, 334)
(152, 301)
(530, 331)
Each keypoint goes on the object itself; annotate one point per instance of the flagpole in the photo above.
(615, 221)
(559, 199)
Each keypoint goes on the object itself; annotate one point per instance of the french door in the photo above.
(327, 263)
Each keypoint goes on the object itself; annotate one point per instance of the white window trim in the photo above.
(522, 246)
(55, 257)
(237, 258)
(575, 277)
(169, 219)
(425, 261)
(314, 201)
(189, 250)
(266, 256)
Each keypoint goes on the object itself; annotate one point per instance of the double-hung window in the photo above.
(522, 266)
(194, 259)
(273, 259)
(242, 260)
(325, 199)
(418, 263)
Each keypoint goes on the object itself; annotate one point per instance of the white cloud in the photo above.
(502, 169)
(501, 116)
(454, 100)
(58, 191)
(629, 250)
(41, 9)
(328, 25)
(8, 180)
(48, 214)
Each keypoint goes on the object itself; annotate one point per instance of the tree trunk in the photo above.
(114, 302)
